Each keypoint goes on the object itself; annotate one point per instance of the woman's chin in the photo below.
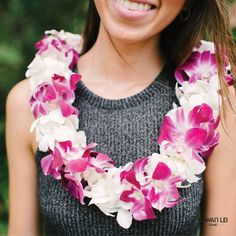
(125, 34)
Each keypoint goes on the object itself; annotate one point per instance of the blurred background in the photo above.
(22, 23)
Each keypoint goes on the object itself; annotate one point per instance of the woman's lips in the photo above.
(151, 4)
(134, 10)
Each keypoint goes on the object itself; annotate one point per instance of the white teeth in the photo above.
(134, 6)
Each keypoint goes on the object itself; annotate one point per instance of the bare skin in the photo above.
(21, 145)
(112, 77)
(120, 77)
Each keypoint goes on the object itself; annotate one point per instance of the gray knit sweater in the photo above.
(125, 129)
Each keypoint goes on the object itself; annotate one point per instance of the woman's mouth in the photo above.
(136, 6)
(136, 9)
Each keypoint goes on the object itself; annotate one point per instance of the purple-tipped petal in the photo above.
(195, 137)
(74, 79)
(131, 178)
(161, 172)
(153, 196)
(78, 165)
(229, 80)
(66, 108)
(75, 58)
(126, 196)
(143, 210)
(50, 93)
(41, 46)
(46, 163)
(140, 164)
(66, 145)
(205, 57)
(101, 162)
(76, 190)
(181, 76)
(166, 130)
(200, 114)
(57, 160)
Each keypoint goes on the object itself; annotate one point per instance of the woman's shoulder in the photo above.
(18, 96)
(19, 115)
(17, 101)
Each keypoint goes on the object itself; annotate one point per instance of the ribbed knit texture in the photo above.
(125, 129)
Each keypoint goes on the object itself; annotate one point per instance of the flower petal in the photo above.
(161, 172)
(66, 108)
(78, 165)
(74, 79)
(124, 218)
(46, 163)
(195, 137)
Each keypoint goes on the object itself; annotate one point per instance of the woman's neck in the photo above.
(113, 61)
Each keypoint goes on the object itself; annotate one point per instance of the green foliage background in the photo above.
(22, 23)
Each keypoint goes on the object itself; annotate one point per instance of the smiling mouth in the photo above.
(135, 6)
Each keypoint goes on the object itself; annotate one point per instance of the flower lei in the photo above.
(187, 135)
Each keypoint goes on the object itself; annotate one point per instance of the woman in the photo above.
(126, 44)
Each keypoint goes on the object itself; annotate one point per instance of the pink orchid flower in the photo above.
(200, 65)
(65, 94)
(141, 206)
(73, 184)
(60, 90)
(52, 164)
(195, 129)
(90, 159)
(44, 94)
(164, 192)
(73, 178)
(158, 190)
(48, 40)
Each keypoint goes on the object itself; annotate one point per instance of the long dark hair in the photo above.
(209, 19)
